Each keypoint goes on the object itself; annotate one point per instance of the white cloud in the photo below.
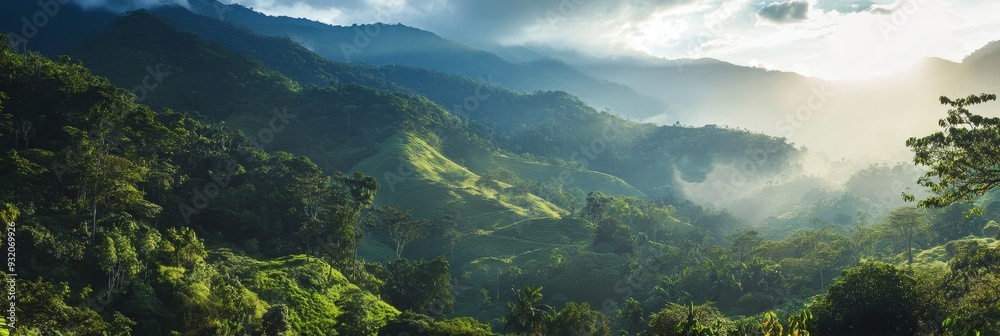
(831, 38)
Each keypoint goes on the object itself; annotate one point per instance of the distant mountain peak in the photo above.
(989, 50)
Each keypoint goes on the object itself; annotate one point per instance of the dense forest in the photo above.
(165, 172)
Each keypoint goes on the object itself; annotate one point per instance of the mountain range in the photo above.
(505, 152)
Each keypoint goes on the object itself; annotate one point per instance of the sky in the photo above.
(821, 38)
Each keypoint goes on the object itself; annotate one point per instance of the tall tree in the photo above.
(632, 315)
(118, 257)
(105, 178)
(597, 206)
(527, 316)
(964, 157)
(689, 320)
(358, 192)
(906, 222)
(744, 242)
(575, 320)
(401, 226)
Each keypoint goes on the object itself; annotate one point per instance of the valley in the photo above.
(208, 169)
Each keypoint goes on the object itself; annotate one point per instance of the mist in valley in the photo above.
(844, 128)
(522, 167)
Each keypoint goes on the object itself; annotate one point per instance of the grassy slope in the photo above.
(312, 290)
(497, 235)
(941, 254)
(532, 235)
(586, 180)
(415, 175)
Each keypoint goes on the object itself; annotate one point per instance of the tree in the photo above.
(974, 282)
(461, 326)
(361, 188)
(613, 236)
(527, 316)
(410, 323)
(42, 306)
(964, 157)
(797, 324)
(598, 207)
(744, 242)
(690, 320)
(632, 315)
(871, 299)
(105, 177)
(407, 323)
(8, 213)
(422, 286)
(906, 222)
(446, 230)
(401, 226)
(275, 321)
(311, 188)
(120, 325)
(568, 201)
(188, 250)
(122, 250)
(333, 214)
(484, 182)
(358, 192)
(358, 317)
(575, 320)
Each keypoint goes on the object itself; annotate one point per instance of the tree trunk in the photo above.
(93, 234)
(909, 250)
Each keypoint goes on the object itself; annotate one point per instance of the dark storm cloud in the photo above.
(785, 12)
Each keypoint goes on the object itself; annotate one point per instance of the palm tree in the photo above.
(526, 316)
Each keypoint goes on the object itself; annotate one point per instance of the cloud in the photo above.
(736, 31)
(119, 6)
(853, 6)
(785, 12)
(537, 19)
(560, 23)
(880, 10)
(889, 9)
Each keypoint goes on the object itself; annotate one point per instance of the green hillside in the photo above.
(541, 171)
(551, 126)
(316, 294)
(97, 199)
(178, 174)
(417, 175)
